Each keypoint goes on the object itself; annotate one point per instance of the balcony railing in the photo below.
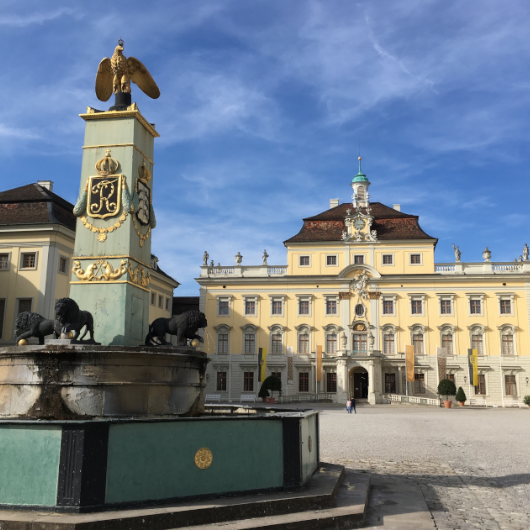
(244, 271)
(483, 268)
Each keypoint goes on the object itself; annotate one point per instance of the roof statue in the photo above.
(115, 75)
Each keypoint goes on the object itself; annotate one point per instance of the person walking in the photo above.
(352, 401)
(348, 406)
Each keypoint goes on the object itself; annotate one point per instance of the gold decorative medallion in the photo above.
(310, 444)
(203, 458)
(104, 196)
(99, 271)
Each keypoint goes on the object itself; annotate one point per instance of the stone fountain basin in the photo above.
(82, 382)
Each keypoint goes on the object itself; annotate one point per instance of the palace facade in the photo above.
(408, 299)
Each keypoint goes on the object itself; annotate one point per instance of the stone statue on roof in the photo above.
(525, 252)
(458, 254)
(205, 257)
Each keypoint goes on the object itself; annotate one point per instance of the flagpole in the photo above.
(500, 369)
(406, 376)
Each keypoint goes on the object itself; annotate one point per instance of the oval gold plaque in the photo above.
(203, 458)
(310, 444)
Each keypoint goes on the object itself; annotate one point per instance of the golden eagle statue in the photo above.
(115, 75)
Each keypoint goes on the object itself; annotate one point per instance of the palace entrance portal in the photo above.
(358, 383)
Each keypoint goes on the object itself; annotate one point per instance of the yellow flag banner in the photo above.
(262, 364)
(319, 363)
(409, 362)
(473, 367)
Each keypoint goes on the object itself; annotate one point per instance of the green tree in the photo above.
(272, 383)
(446, 388)
(460, 395)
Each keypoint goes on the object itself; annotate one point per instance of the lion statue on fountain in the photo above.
(71, 318)
(184, 326)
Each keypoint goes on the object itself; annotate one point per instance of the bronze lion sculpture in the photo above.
(73, 319)
(184, 326)
(30, 324)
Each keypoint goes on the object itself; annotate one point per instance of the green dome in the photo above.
(360, 177)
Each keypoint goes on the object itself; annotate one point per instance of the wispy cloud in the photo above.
(22, 21)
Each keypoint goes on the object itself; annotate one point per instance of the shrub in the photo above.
(526, 400)
(263, 391)
(461, 395)
(446, 388)
(271, 383)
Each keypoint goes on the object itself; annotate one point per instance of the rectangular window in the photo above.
(474, 307)
(331, 382)
(250, 307)
(451, 377)
(248, 381)
(390, 383)
(303, 307)
(160, 301)
(477, 344)
(417, 342)
(303, 343)
(481, 387)
(359, 342)
(415, 259)
(331, 260)
(4, 262)
(419, 383)
(388, 259)
(358, 260)
(510, 386)
(303, 382)
(29, 259)
(507, 344)
(416, 307)
(153, 299)
(445, 307)
(304, 261)
(331, 307)
(447, 343)
(276, 307)
(331, 343)
(167, 304)
(24, 304)
(63, 265)
(250, 341)
(277, 346)
(221, 381)
(222, 343)
(388, 344)
(506, 307)
(224, 308)
(388, 307)
(2, 316)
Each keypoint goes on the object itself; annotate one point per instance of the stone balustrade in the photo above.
(483, 268)
(243, 271)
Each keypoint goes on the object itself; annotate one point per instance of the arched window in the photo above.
(359, 337)
(389, 339)
(507, 339)
(276, 339)
(222, 338)
(447, 334)
(417, 333)
(332, 338)
(360, 193)
(477, 335)
(304, 339)
(249, 338)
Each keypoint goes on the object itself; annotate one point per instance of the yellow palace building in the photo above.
(361, 281)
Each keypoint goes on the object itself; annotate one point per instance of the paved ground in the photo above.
(471, 465)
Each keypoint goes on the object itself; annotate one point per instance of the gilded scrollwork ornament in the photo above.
(142, 204)
(138, 275)
(100, 271)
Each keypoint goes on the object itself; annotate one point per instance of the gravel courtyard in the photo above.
(472, 464)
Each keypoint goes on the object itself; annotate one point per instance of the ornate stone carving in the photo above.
(525, 252)
(265, 256)
(486, 255)
(458, 254)
(239, 259)
(138, 275)
(99, 271)
(205, 257)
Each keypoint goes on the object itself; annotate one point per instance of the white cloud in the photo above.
(22, 21)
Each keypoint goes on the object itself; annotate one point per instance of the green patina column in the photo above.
(112, 255)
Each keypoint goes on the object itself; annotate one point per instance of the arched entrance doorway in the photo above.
(358, 387)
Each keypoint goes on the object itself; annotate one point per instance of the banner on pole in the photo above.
(290, 366)
(409, 363)
(473, 366)
(319, 363)
(441, 356)
(262, 364)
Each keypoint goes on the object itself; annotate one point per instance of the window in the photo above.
(390, 383)
(415, 259)
(221, 381)
(359, 342)
(451, 377)
(477, 343)
(331, 343)
(250, 342)
(222, 343)
(24, 304)
(303, 343)
(277, 346)
(388, 307)
(29, 260)
(276, 307)
(303, 382)
(417, 342)
(447, 343)
(331, 307)
(419, 383)
(506, 307)
(388, 259)
(248, 381)
(331, 382)
(167, 304)
(510, 385)
(388, 344)
(160, 301)
(63, 265)
(250, 307)
(359, 310)
(445, 307)
(507, 344)
(305, 261)
(277, 374)
(474, 307)
(331, 261)
(153, 299)
(360, 193)
(303, 307)
(481, 387)
(224, 307)
(2, 316)
(358, 260)
(416, 307)
(4, 262)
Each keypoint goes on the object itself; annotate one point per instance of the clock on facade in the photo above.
(359, 224)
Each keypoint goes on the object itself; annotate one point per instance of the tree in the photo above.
(271, 383)
(461, 395)
(446, 388)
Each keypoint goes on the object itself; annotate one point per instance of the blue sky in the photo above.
(263, 107)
